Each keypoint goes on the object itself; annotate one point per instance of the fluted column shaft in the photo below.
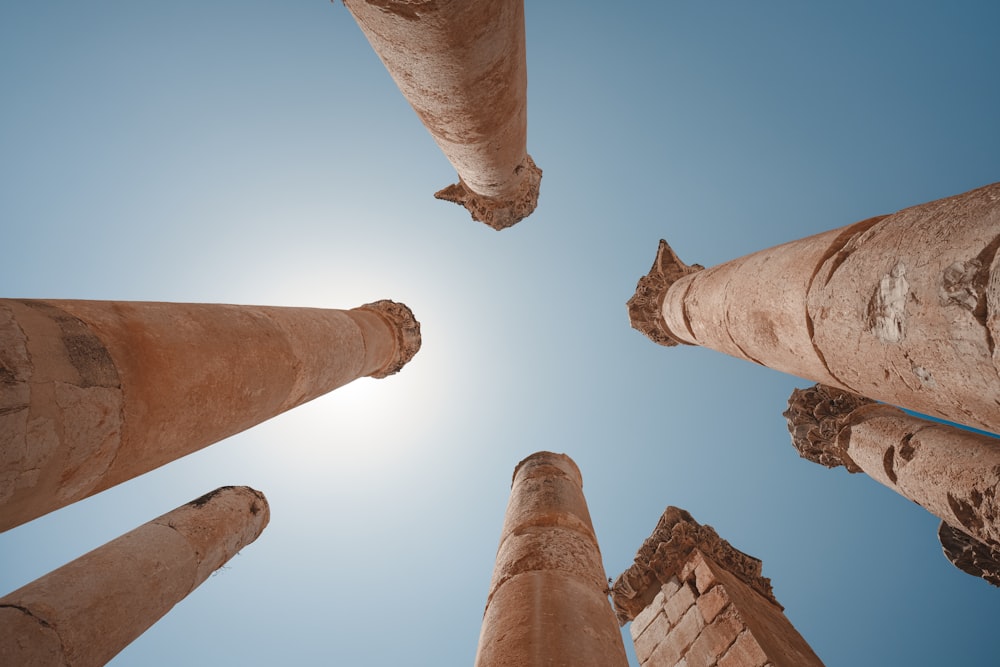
(87, 611)
(93, 393)
(953, 473)
(903, 308)
(548, 603)
(461, 65)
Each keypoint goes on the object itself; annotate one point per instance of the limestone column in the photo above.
(903, 308)
(695, 600)
(548, 601)
(952, 473)
(93, 393)
(87, 611)
(461, 66)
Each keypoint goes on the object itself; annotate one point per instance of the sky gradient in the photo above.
(259, 153)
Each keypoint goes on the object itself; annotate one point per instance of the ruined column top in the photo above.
(406, 330)
(663, 555)
(645, 308)
(499, 212)
(816, 416)
(537, 462)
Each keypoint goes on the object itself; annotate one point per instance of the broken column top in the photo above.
(645, 308)
(549, 460)
(406, 330)
(663, 555)
(816, 417)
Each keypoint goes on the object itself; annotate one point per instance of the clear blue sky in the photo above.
(257, 152)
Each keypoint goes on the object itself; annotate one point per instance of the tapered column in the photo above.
(695, 600)
(952, 473)
(88, 610)
(548, 601)
(93, 393)
(461, 66)
(903, 308)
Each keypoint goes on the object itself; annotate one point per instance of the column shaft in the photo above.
(952, 473)
(548, 603)
(87, 611)
(903, 308)
(695, 600)
(461, 65)
(93, 393)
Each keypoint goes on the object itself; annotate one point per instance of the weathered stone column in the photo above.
(952, 473)
(904, 308)
(695, 600)
(87, 611)
(93, 393)
(548, 602)
(461, 66)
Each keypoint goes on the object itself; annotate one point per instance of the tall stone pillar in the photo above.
(904, 308)
(93, 393)
(87, 611)
(461, 66)
(952, 473)
(695, 600)
(548, 601)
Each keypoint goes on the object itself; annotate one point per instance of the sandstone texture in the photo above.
(901, 308)
(695, 600)
(87, 611)
(461, 66)
(547, 603)
(94, 393)
(951, 472)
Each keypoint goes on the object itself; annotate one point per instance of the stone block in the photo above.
(745, 652)
(704, 577)
(712, 602)
(646, 616)
(714, 640)
(678, 604)
(653, 635)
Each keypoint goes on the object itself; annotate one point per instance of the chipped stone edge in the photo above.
(406, 330)
(969, 554)
(498, 213)
(663, 555)
(645, 308)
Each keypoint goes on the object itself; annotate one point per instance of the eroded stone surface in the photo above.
(815, 418)
(969, 554)
(547, 603)
(88, 610)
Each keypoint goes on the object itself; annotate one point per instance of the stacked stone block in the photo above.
(695, 601)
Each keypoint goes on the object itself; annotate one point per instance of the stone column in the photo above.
(952, 473)
(461, 66)
(93, 393)
(548, 601)
(695, 600)
(904, 308)
(87, 611)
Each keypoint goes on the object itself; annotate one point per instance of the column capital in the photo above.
(499, 212)
(969, 554)
(815, 418)
(406, 330)
(664, 554)
(645, 308)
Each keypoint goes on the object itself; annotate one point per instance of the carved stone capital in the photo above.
(499, 212)
(406, 330)
(816, 417)
(969, 554)
(663, 555)
(645, 308)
